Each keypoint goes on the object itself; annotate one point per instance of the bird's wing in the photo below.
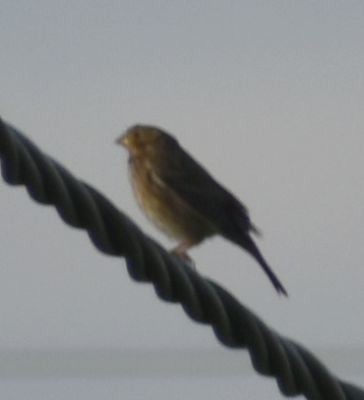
(195, 186)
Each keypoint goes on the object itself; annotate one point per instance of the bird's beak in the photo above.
(122, 140)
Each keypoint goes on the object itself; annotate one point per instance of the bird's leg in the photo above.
(181, 252)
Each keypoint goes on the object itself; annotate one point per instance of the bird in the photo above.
(182, 199)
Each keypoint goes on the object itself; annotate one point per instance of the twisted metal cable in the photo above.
(296, 370)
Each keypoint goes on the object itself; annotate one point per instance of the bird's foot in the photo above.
(182, 255)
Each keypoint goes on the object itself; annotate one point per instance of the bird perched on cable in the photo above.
(182, 199)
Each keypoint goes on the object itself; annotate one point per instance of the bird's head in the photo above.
(142, 139)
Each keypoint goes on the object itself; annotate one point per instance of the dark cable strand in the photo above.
(297, 371)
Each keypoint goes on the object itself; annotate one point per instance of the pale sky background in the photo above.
(268, 95)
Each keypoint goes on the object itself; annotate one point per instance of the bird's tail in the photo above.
(248, 244)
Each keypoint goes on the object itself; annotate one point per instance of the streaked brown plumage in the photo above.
(179, 196)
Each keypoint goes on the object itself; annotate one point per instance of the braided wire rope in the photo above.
(296, 370)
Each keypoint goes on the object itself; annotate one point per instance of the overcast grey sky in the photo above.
(268, 95)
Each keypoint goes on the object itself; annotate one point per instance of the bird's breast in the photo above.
(164, 207)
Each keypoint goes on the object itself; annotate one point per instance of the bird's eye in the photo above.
(137, 137)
